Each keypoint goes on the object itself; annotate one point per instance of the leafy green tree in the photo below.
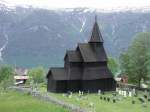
(37, 75)
(136, 61)
(113, 65)
(6, 76)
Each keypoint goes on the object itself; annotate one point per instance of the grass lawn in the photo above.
(124, 105)
(19, 102)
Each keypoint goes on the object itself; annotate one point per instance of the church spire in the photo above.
(96, 34)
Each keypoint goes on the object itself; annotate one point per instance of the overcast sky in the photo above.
(102, 4)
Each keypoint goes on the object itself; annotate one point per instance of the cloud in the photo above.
(102, 4)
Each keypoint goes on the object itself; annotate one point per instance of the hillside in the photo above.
(38, 37)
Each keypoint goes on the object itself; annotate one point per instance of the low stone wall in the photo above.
(46, 97)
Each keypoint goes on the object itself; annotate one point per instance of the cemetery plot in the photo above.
(108, 102)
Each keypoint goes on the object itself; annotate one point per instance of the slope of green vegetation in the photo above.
(19, 102)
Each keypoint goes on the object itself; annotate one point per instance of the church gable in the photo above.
(87, 53)
(73, 56)
(91, 55)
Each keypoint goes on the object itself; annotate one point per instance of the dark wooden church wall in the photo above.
(95, 64)
(74, 85)
(67, 65)
(75, 70)
(51, 84)
(61, 86)
(90, 72)
(113, 84)
(100, 84)
(94, 68)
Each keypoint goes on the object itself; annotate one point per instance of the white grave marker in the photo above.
(99, 92)
(119, 92)
(125, 94)
(130, 94)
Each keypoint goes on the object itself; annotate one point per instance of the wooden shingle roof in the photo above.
(96, 35)
(74, 56)
(89, 55)
(87, 52)
(58, 73)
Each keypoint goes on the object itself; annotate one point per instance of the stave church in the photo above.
(85, 68)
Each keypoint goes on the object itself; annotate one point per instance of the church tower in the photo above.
(96, 36)
(96, 41)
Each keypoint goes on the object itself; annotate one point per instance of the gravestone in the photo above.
(108, 99)
(130, 94)
(120, 92)
(104, 98)
(133, 91)
(145, 96)
(114, 100)
(99, 92)
(125, 94)
(82, 93)
(102, 92)
(79, 93)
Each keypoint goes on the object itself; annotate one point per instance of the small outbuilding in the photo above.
(21, 76)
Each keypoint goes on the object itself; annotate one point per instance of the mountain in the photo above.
(32, 37)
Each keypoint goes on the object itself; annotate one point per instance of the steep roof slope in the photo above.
(74, 56)
(89, 55)
(96, 35)
(58, 73)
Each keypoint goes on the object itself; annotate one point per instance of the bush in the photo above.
(6, 76)
(37, 75)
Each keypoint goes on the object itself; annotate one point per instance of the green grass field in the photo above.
(124, 105)
(19, 102)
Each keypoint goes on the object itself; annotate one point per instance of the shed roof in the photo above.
(21, 71)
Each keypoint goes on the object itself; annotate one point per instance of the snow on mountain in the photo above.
(41, 37)
(10, 6)
(83, 24)
(3, 46)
